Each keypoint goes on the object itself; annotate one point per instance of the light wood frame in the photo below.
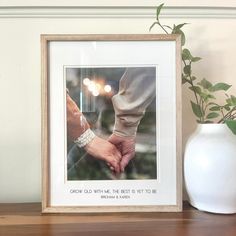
(45, 131)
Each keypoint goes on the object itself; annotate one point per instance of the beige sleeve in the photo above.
(137, 89)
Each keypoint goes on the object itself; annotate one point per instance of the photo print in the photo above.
(116, 109)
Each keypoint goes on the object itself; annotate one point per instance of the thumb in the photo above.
(114, 139)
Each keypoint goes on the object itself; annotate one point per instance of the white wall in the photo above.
(211, 35)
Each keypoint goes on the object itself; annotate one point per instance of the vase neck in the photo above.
(212, 128)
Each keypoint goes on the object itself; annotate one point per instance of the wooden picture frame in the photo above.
(64, 60)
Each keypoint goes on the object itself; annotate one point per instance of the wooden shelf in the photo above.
(26, 219)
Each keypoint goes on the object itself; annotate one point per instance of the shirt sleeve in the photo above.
(76, 122)
(137, 89)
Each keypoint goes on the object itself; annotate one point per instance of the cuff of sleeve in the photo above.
(85, 138)
(124, 130)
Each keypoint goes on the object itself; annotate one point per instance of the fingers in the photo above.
(126, 145)
(117, 154)
(115, 166)
(114, 160)
(111, 167)
(116, 163)
(125, 161)
(103, 150)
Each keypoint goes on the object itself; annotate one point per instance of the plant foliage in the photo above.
(204, 106)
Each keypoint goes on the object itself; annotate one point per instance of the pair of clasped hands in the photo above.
(117, 151)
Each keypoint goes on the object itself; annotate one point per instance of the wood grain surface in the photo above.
(26, 219)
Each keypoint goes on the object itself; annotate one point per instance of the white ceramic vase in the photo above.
(210, 169)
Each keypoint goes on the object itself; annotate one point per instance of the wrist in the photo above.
(122, 138)
(123, 129)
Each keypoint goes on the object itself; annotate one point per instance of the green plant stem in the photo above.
(162, 27)
(232, 115)
(205, 109)
(221, 110)
(227, 115)
(191, 83)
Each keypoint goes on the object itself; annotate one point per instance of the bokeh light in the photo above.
(86, 81)
(107, 88)
(91, 86)
(95, 93)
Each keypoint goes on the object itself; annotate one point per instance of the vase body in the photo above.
(210, 169)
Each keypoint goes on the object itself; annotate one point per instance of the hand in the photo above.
(98, 148)
(126, 145)
(104, 150)
(76, 123)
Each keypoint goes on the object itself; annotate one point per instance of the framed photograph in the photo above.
(111, 123)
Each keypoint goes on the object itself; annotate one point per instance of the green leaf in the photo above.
(232, 125)
(158, 11)
(187, 70)
(179, 31)
(231, 101)
(215, 108)
(193, 78)
(196, 109)
(212, 115)
(195, 59)
(186, 55)
(233, 98)
(196, 89)
(213, 103)
(211, 96)
(204, 96)
(180, 26)
(183, 39)
(167, 26)
(205, 84)
(226, 107)
(220, 86)
(184, 80)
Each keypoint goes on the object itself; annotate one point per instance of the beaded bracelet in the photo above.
(85, 138)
